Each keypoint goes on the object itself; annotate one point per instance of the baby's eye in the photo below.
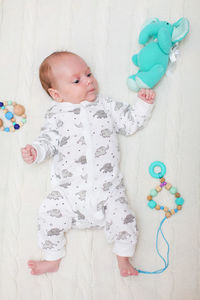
(76, 81)
(89, 74)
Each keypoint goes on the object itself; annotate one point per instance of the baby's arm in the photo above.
(45, 146)
(130, 118)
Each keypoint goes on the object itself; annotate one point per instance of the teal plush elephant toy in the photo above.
(158, 38)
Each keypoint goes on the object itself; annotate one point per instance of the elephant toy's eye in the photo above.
(167, 23)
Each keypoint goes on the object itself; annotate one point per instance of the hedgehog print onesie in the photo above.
(87, 185)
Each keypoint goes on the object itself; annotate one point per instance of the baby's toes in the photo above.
(33, 272)
(148, 94)
(31, 263)
(33, 266)
(134, 272)
(124, 273)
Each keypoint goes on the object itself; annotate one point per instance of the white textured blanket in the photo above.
(105, 34)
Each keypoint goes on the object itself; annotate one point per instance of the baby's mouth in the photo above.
(91, 90)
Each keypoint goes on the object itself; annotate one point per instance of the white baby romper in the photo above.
(87, 186)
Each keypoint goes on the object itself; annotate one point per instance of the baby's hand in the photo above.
(147, 95)
(29, 154)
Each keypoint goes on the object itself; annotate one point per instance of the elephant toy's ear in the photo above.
(180, 30)
(149, 21)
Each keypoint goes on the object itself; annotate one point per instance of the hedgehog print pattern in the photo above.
(107, 168)
(55, 213)
(100, 114)
(54, 231)
(55, 195)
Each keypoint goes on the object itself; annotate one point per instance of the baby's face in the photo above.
(74, 81)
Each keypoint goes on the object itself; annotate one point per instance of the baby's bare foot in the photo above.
(43, 266)
(125, 267)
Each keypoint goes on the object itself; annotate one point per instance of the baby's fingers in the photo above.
(148, 94)
(153, 94)
(142, 92)
(29, 160)
(33, 153)
(25, 153)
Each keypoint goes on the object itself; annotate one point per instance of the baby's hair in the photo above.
(45, 70)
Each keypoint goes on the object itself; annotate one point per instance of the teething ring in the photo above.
(18, 110)
(154, 192)
(161, 166)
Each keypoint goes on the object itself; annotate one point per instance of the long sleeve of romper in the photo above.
(129, 118)
(47, 142)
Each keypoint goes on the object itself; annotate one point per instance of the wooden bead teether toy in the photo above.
(18, 110)
(168, 212)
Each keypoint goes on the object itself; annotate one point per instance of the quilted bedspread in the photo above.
(105, 33)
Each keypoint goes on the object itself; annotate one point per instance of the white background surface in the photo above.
(105, 33)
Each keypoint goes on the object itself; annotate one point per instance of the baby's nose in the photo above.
(88, 80)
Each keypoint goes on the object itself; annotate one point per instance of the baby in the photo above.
(80, 133)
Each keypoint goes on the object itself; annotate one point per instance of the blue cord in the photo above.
(165, 262)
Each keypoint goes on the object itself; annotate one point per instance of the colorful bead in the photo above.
(153, 193)
(179, 207)
(16, 126)
(1, 104)
(176, 210)
(172, 212)
(163, 184)
(9, 115)
(149, 197)
(162, 207)
(162, 179)
(19, 109)
(179, 201)
(6, 129)
(1, 123)
(157, 207)
(168, 214)
(152, 204)
(24, 120)
(166, 208)
(158, 188)
(12, 129)
(173, 190)
(168, 186)
(177, 195)
(9, 102)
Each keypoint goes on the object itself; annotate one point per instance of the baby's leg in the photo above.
(53, 221)
(121, 229)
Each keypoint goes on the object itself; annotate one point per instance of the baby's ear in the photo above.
(54, 94)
